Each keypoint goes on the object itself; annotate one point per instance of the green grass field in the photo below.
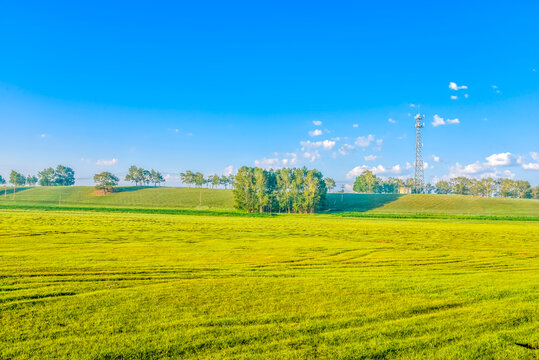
(140, 286)
(213, 199)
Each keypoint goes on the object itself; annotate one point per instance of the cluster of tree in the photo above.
(61, 176)
(298, 190)
(367, 182)
(142, 176)
(198, 179)
(486, 187)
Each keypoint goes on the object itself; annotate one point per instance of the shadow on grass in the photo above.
(120, 189)
(357, 202)
(10, 190)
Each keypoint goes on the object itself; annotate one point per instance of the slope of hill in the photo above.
(129, 196)
(432, 204)
(185, 198)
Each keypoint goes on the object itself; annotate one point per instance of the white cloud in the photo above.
(454, 97)
(535, 156)
(280, 161)
(454, 86)
(170, 177)
(488, 168)
(436, 158)
(466, 95)
(392, 121)
(370, 157)
(438, 121)
(412, 105)
(317, 122)
(348, 188)
(364, 141)
(43, 136)
(110, 162)
(316, 132)
(326, 144)
(377, 170)
(229, 170)
(494, 86)
(311, 155)
(530, 166)
(345, 149)
(355, 125)
(501, 159)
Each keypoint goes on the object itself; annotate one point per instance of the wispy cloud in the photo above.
(436, 158)
(317, 122)
(454, 86)
(392, 121)
(325, 144)
(316, 132)
(110, 162)
(364, 141)
(277, 162)
(439, 121)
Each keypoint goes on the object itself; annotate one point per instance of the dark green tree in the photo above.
(46, 177)
(64, 176)
(31, 180)
(105, 181)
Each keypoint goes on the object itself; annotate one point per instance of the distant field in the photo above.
(138, 286)
(216, 199)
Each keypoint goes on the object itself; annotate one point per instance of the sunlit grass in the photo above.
(117, 285)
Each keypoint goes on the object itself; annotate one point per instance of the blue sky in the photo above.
(211, 86)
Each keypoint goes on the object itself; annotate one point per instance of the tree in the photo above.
(31, 180)
(223, 180)
(133, 175)
(105, 181)
(156, 177)
(215, 180)
(535, 192)
(16, 179)
(443, 187)
(366, 182)
(3, 182)
(198, 179)
(489, 186)
(46, 177)
(460, 185)
(187, 178)
(330, 183)
(523, 189)
(64, 176)
(506, 187)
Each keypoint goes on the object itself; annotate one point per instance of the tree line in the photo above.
(60, 176)
(367, 182)
(297, 190)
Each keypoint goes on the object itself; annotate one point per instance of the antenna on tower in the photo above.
(419, 172)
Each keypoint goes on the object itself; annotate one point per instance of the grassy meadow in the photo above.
(98, 285)
(219, 199)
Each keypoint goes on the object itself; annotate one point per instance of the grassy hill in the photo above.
(129, 196)
(185, 198)
(432, 204)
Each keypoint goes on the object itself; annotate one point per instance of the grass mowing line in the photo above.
(164, 211)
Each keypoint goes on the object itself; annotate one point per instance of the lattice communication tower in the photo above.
(419, 172)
